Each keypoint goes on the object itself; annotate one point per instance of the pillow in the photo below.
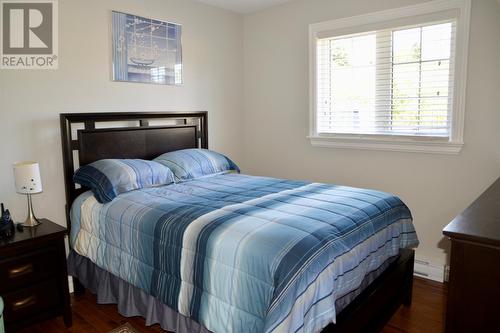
(109, 177)
(195, 163)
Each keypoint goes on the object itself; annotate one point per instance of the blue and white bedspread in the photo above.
(240, 253)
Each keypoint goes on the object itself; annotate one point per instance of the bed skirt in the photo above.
(131, 301)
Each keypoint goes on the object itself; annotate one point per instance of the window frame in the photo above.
(406, 143)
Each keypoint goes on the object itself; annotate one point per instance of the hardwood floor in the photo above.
(424, 316)
(426, 313)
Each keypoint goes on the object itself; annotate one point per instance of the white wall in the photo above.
(30, 101)
(268, 137)
(435, 187)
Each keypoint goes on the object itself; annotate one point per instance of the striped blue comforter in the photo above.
(240, 253)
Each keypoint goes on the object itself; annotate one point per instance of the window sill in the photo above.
(430, 145)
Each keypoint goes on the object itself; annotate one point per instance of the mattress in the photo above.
(239, 253)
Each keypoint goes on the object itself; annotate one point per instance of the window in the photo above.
(391, 80)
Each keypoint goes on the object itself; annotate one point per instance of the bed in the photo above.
(231, 252)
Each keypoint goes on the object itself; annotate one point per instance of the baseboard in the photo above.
(427, 270)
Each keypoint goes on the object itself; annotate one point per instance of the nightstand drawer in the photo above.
(27, 268)
(31, 300)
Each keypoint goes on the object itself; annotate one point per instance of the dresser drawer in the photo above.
(31, 300)
(27, 268)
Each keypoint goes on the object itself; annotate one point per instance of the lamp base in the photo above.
(31, 220)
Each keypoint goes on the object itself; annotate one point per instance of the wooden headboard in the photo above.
(88, 137)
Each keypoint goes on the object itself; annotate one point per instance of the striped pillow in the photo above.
(109, 177)
(195, 163)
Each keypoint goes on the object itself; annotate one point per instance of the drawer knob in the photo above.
(16, 272)
(24, 303)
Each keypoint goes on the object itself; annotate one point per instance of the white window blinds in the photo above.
(396, 81)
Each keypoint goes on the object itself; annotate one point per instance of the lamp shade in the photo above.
(27, 177)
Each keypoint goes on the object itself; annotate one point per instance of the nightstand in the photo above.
(33, 276)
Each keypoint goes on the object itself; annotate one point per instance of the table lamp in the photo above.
(28, 181)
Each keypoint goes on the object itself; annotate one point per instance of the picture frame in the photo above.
(146, 50)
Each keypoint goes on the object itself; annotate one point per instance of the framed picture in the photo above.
(146, 50)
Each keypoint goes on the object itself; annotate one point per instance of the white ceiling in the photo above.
(244, 6)
(247, 6)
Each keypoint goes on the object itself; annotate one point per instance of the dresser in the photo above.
(473, 303)
(33, 276)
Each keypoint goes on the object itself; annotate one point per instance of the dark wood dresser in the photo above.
(33, 276)
(473, 303)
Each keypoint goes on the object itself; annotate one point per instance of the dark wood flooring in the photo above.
(424, 316)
